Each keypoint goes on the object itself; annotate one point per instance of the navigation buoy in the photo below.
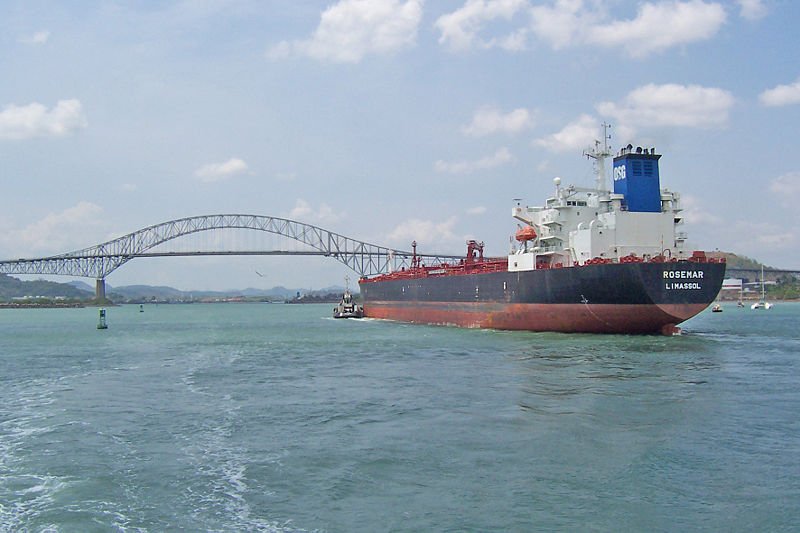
(101, 323)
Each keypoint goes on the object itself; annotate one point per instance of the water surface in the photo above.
(259, 417)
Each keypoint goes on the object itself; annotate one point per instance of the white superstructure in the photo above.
(635, 221)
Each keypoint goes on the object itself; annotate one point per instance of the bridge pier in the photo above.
(100, 290)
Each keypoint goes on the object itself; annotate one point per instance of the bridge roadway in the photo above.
(754, 274)
(100, 260)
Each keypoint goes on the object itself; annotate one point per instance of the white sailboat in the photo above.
(762, 303)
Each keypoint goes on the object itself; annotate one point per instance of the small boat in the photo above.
(101, 323)
(348, 308)
(762, 303)
(716, 309)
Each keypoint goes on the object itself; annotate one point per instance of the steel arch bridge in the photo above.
(100, 260)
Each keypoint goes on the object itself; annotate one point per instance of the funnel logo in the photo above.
(619, 173)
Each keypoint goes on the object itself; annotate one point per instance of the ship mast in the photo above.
(599, 155)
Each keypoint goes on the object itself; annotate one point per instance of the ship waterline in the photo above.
(563, 318)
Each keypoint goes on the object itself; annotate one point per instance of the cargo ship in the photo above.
(590, 260)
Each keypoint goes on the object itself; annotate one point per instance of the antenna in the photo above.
(599, 155)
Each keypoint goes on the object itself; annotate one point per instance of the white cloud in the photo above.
(671, 105)
(761, 236)
(304, 212)
(513, 42)
(352, 29)
(500, 157)
(656, 27)
(661, 26)
(577, 135)
(128, 187)
(563, 24)
(752, 9)
(782, 240)
(282, 50)
(478, 210)
(285, 176)
(34, 120)
(39, 37)
(488, 120)
(459, 29)
(746, 236)
(428, 234)
(301, 209)
(787, 185)
(55, 233)
(694, 212)
(781, 95)
(221, 171)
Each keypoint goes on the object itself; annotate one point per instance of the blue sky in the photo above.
(386, 120)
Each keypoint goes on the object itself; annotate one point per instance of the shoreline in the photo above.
(14, 305)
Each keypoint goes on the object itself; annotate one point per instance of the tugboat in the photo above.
(348, 308)
(716, 309)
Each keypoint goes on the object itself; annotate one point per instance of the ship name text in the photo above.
(682, 286)
(683, 274)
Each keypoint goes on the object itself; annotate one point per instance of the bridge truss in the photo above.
(100, 260)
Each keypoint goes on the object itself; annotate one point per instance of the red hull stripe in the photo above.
(568, 318)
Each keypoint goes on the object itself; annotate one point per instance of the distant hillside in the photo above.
(11, 287)
(82, 285)
(148, 292)
(15, 288)
(739, 261)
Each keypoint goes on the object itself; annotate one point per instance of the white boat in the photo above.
(348, 308)
(762, 303)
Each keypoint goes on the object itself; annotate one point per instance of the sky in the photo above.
(386, 120)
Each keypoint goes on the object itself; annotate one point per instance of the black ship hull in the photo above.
(599, 298)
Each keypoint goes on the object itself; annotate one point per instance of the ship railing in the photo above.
(697, 257)
(489, 264)
(549, 249)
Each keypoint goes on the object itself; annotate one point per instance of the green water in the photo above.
(279, 418)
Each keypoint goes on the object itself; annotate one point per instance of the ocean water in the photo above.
(277, 418)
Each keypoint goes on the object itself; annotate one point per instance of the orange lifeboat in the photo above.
(525, 234)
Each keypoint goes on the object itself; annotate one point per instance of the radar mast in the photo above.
(599, 155)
